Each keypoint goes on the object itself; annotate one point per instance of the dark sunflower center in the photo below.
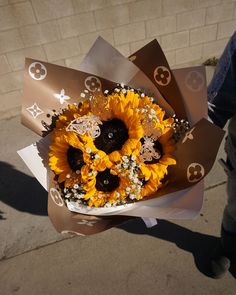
(114, 134)
(106, 182)
(75, 158)
(158, 148)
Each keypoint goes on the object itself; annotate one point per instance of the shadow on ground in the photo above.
(200, 245)
(21, 191)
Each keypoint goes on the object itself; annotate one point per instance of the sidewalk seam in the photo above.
(215, 185)
(36, 248)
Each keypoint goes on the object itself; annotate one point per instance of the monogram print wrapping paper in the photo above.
(50, 88)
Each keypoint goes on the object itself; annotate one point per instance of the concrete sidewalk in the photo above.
(131, 259)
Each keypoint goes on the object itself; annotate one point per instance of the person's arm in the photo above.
(222, 89)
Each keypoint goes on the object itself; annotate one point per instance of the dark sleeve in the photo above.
(222, 89)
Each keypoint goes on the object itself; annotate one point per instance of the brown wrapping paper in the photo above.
(105, 61)
(152, 61)
(49, 88)
(192, 84)
(66, 221)
(49, 91)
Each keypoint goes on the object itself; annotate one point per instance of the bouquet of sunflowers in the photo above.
(120, 138)
(112, 150)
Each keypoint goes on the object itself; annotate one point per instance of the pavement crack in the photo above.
(4, 258)
(215, 185)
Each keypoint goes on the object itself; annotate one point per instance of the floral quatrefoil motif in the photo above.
(37, 71)
(56, 197)
(194, 81)
(162, 76)
(92, 84)
(195, 172)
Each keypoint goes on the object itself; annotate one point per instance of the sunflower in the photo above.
(66, 157)
(103, 188)
(155, 170)
(112, 186)
(121, 134)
